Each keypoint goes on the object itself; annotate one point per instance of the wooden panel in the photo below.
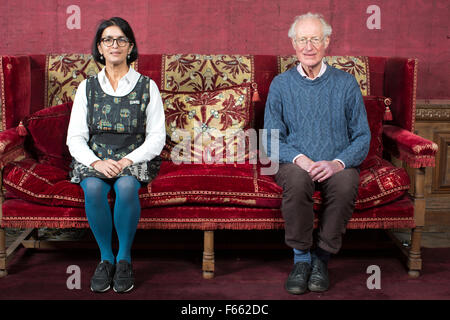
(441, 177)
(433, 122)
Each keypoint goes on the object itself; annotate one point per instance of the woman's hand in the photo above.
(124, 162)
(109, 168)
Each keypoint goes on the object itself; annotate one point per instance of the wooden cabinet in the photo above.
(433, 123)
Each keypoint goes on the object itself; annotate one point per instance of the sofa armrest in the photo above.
(414, 150)
(11, 147)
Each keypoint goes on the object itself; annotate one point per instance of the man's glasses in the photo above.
(302, 42)
(121, 42)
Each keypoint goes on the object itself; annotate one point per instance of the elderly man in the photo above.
(323, 132)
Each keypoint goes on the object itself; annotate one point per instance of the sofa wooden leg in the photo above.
(208, 255)
(414, 257)
(3, 271)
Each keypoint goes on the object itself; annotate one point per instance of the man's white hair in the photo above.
(326, 28)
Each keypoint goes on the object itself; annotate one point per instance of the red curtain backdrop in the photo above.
(408, 28)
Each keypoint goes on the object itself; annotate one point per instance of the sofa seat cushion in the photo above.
(212, 184)
(231, 185)
(197, 184)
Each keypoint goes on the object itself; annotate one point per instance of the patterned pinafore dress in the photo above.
(116, 128)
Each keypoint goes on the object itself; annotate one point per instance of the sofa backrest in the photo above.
(30, 83)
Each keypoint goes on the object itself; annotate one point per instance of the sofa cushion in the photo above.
(196, 72)
(42, 183)
(235, 185)
(197, 184)
(47, 130)
(212, 184)
(381, 183)
(207, 124)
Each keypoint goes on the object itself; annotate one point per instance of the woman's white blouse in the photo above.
(78, 131)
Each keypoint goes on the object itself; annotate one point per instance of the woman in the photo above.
(116, 127)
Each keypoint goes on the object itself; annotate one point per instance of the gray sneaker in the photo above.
(124, 277)
(103, 276)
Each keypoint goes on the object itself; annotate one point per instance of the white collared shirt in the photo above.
(323, 68)
(302, 72)
(78, 131)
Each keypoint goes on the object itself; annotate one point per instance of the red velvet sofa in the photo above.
(204, 95)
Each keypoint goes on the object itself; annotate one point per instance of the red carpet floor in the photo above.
(240, 274)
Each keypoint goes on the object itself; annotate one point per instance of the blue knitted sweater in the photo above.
(324, 118)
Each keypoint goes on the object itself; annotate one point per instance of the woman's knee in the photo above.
(94, 187)
(127, 186)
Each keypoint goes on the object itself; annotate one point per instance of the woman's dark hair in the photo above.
(126, 29)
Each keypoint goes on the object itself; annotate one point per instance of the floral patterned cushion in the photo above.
(356, 65)
(195, 72)
(207, 124)
(64, 72)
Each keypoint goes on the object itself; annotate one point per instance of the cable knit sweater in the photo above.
(324, 118)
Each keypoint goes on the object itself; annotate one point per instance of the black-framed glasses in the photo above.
(121, 42)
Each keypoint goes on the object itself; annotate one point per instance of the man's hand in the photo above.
(109, 168)
(322, 170)
(304, 162)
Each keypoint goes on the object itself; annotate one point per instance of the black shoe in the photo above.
(124, 277)
(297, 282)
(102, 278)
(318, 281)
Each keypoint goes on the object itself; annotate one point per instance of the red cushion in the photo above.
(229, 185)
(198, 184)
(220, 184)
(48, 131)
(42, 183)
(380, 184)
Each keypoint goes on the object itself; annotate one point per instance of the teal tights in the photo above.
(127, 211)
